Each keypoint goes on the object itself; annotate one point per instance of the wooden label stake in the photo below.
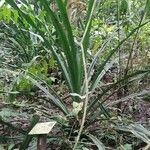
(42, 130)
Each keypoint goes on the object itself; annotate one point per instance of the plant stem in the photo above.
(86, 98)
(86, 78)
(130, 61)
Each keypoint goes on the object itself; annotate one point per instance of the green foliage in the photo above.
(98, 143)
(125, 147)
(139, 131)
(37, 68)
(38, 31)
(148, 8)
(124, 7)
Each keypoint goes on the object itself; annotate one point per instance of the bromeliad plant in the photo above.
(71, 53)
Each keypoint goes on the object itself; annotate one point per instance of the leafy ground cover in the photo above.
(84, 64)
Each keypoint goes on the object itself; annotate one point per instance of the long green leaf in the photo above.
(57, 102)
(47, 43)
(67, 44)
(26, 16)
(100, 69)
(76, 60)
(97, 142)
(88, 24)
(115, 84)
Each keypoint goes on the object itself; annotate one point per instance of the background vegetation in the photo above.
(84, 64)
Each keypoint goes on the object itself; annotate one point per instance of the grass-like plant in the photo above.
(71, 55)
